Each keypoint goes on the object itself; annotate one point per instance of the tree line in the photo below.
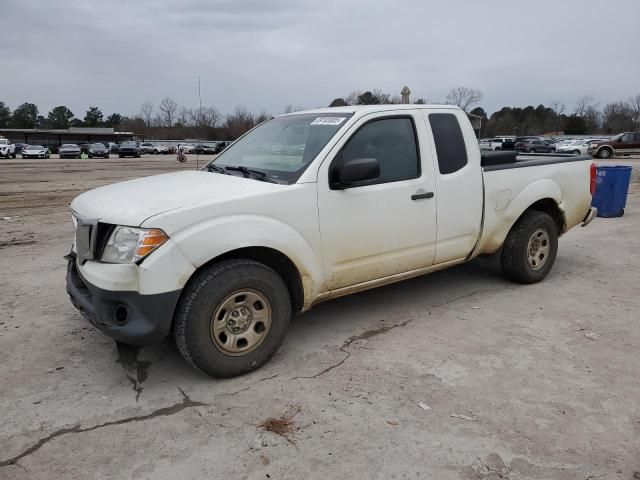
(169, 120)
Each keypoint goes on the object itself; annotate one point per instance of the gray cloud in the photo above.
(265, 54)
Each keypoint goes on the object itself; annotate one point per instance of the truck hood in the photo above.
(132, 202)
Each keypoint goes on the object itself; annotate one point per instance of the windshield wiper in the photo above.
(258, 174)
(212, 167)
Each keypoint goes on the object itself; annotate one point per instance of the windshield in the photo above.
(128, 144)
(35, 147)
(284, 146)
(97, 146)
(69, 145)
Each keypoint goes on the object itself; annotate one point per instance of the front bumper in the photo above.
(126, 316)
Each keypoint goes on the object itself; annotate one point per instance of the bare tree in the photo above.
(634, 105)
(292, 108)
(352, 98)
(168, 108)
(207, 117)
(186, 117)
(147, 112)
(464, 97)
(558, 107)
(583, 104)
(617, 117)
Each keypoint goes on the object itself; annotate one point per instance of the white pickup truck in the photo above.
(306, 207)
(7, 149)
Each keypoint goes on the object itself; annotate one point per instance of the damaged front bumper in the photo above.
(126, 316)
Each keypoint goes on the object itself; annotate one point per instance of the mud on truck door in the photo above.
(386, 225)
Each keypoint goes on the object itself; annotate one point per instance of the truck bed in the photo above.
(503, 160)
(511, 180)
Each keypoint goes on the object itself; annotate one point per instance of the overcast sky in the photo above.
(265, 54)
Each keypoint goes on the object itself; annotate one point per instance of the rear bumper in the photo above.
(593, 211)
(126, 316)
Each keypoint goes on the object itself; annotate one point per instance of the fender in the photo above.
(232, 232)
(504, 219)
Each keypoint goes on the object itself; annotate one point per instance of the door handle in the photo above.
(420, 196)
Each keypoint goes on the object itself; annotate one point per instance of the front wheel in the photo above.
(530, 249)
(232, 317)
(605, 153)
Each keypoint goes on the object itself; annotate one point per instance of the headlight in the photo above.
(129, 244)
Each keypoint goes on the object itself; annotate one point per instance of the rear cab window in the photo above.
(449, 142)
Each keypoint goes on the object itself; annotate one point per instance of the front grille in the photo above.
(91, 239)
(103, 233)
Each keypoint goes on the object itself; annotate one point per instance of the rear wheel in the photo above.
(577, 152)
(232, 317)
(530, 248)
(533, 150)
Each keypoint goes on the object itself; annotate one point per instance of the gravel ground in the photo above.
(518, 382)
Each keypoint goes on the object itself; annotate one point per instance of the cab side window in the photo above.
(450, 146)
(392, 141)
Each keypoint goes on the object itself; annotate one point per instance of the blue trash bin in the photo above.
(612, 186)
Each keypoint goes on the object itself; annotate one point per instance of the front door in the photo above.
(388, 226)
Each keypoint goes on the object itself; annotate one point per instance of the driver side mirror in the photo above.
(354, 173)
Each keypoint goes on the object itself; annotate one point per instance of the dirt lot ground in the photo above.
(519, 382)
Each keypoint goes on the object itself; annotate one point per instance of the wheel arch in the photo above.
(272, 258)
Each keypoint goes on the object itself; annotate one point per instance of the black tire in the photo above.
(155, 152)
(533, 150)
(121, 156)
(137, 155)
(621, 212)
(577, 152)
(515, 250)
(605, 153)
(205, 293)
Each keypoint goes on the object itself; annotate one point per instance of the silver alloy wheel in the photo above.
(605, 153)
(241, 322)
(538, 249)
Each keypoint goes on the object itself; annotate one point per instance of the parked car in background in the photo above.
(502, 143)
(69, 150)
(84, 147)
(187, 147)
(522, 141)
(578, 147)
(113, 147)
(484, 144)
(203, 150)
(538, 146)
(220, 146)
(627, 143)
(98, 150)
(36, 151)
(7, 149)
(155, 148)
(129, 149)
(19, 148)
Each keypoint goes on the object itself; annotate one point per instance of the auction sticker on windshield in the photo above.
(328, 121)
